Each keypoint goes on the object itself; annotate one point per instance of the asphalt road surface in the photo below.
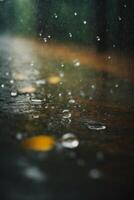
(66, 122)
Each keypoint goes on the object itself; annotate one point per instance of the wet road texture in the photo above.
(66, 122)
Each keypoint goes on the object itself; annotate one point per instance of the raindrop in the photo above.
(55, 15)
(69, 93)
(61, 74)
(14, 94)
(70, 35)
(66, 121)
(7, 73)
(116, 85)
(19, 136)
(75, 14)
(95, 174)
(84, 22)
(111, 91)
(2, 85)
(31, 64)
(90, 98)
(93, 86)
(98, 38)
(76, 62)
(41, 82)
(66, 114)
(82, 93)
(60, 94)
(69, 140)
(36, 101)
(36, 116)
(34, 173)
(45, 40)
(49, 95)
(119, 18)
(12, 81)
(71, 101)
(93, 125)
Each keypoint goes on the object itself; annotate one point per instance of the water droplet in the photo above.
(71, 101)
(69, 140)
(49, 95)
(14, 93)
(84, 22)
(116, 85)
(12, 81)
(119, 18)
(82, 93)
(90, 98)
(19, 136)
(93, 86)
(66, 114)
(40, 34)
(7, 73)
(95, 174)
(60, 94)
(93, 125)
(36, 101)
(55, 15)
(70, 35)
(69, 93)
(76, 62)
(34, 173)
(36, 116)
(41, 82)
(31, 64)
(45, 40)
(98, 38)
(2, 85)
(61, 74)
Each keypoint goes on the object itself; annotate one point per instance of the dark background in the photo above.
(110, 20)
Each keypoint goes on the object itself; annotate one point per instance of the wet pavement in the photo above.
(66, 119)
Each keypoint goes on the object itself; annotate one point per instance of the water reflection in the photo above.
(39, 143)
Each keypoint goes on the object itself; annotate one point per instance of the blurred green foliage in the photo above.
(78, 21)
